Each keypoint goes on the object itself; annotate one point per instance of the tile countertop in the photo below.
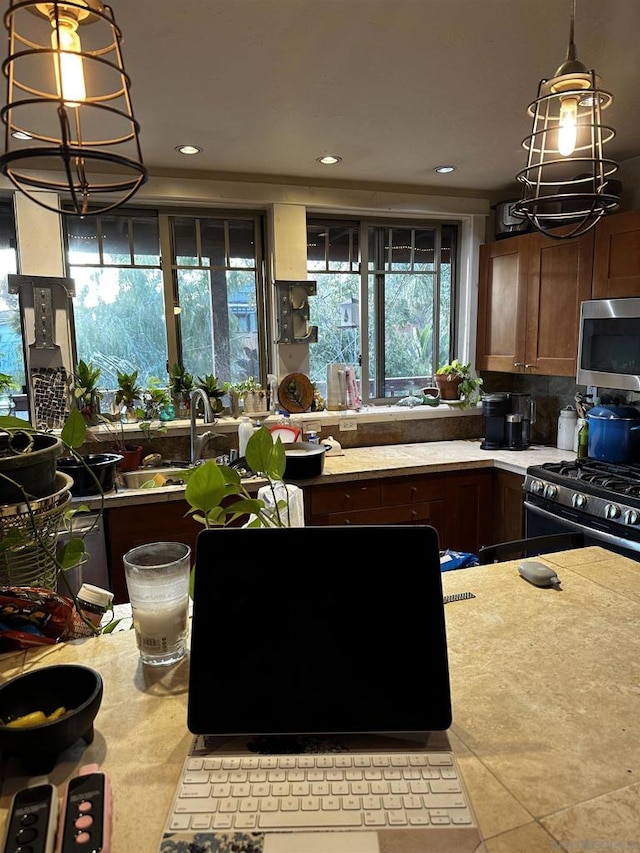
(545, 688)
(364, 463)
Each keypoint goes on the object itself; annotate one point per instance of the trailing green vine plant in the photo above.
(73, 553)
(218, 498)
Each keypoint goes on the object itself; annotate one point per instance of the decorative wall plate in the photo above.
(295, 393)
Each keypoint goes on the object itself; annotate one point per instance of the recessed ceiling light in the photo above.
(20, 134)
(188, 149)
(329, 160)
(444, 170)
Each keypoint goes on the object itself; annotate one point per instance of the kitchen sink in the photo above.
(140, 478)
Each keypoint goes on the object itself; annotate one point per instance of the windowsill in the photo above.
(307, 420)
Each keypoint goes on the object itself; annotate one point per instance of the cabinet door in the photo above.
(128, 527)
(559, 280)
(468, 510)
(508, 506)
(616, 266)
(502, 287)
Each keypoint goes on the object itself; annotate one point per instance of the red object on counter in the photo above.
(285, 433)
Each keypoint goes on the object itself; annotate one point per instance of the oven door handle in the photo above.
(629, 544)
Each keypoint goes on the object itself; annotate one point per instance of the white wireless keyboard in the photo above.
(336, 790)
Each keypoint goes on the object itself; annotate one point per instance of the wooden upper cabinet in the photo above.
(559, 280)
(616, 264)
(502, 304)
(529, 294)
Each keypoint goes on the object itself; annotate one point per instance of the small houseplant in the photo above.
(7, 385)
(128, 392)
(180, 385)
(130, 451)
(157, 401)
(455, 382)
(214, 391)
(252, 395)
(85, 391)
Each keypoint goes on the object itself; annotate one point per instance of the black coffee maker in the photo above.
(507, 421)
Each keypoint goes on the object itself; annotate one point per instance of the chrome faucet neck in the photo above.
(197, 445)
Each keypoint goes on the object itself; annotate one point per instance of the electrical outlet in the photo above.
(348, 424)
(311, 426)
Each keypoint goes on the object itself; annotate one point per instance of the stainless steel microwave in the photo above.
(609, 343)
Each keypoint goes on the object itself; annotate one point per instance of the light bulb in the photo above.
(71, 88)
(568, 125)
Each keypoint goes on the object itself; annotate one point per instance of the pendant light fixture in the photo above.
(69, 123)
(566, 179)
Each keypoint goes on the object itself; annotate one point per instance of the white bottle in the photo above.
(245, 431)
(566, 429)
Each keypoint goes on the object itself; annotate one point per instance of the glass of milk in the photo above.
(157, 578)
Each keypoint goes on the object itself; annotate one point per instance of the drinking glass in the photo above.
(157, 577)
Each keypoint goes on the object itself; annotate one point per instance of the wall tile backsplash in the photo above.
(551, 394)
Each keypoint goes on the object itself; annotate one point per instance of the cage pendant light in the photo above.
(69, 122)
(566, 179)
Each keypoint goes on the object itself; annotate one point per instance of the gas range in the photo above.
(589, 491)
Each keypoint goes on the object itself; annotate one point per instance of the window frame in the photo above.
(415, 224)
(169, 269)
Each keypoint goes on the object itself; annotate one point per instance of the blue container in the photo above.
(614, 434)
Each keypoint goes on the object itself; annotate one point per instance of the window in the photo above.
(403, 276)
(200, 307)
(217, 280)
(11, 350)
(119, 303)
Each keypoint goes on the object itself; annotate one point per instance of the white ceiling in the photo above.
(395, 87)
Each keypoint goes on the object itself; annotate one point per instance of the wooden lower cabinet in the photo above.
(508, 506)
(457, 504)
(130, 526)
(468, 501)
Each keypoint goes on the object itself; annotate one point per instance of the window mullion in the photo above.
(170, 291)
(364, 313)
(379, 299)
(435, 335)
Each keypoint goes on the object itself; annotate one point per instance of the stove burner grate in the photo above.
(609, 478)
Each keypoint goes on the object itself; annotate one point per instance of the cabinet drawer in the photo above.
(411, 490)
(420, 513)
(344, 497)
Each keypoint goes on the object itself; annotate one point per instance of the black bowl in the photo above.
(103, 466)
(74, 687)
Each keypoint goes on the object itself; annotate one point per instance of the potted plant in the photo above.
(29, 534)
(214, 391)
(7, 385)
(180, 385)
(455, 382)
(217, 497)
(157, 401)
(128, 392)
(130, 451)
(85, 392)
(27, 461)
(252, 395)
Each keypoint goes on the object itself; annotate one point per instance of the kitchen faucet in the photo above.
(198, 442)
